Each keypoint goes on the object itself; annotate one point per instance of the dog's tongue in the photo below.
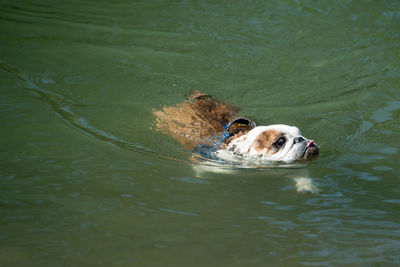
(310, 143)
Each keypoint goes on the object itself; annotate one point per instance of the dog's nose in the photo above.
(299, 139)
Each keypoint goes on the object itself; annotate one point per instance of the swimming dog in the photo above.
(213, 129)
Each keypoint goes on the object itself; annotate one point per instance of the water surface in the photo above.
(86, 180)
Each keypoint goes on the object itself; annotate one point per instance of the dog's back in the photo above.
(195, 120)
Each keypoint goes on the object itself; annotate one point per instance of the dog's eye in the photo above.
(280, 142)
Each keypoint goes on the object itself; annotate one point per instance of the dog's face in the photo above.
(276, 143)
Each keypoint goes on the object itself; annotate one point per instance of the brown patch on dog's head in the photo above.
(267, 140)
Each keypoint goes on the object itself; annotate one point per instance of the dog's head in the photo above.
(276, 143)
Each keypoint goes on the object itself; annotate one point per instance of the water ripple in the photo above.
(63, 108)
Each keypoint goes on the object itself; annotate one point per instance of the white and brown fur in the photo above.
(201, 117)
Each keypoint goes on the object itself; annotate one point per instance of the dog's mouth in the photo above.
(311, 151)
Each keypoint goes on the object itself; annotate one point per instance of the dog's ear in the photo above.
(240, 125)
(237, 127)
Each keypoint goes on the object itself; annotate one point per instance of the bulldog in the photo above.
(213, 131)
(274, 143)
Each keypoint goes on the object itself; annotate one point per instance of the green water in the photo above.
(85, 179)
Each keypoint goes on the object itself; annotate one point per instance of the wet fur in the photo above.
(197, 119)
(200, 117)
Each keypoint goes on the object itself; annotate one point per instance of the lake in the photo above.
(86, 179)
